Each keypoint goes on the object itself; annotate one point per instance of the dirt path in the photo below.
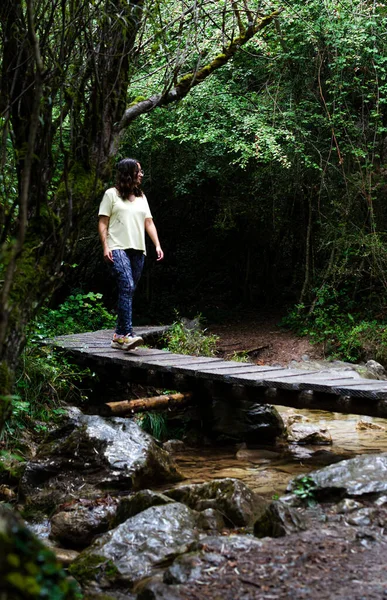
(264, 341)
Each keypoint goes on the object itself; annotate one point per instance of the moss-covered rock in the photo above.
(239, 505)
(11, 467)
(29, 570)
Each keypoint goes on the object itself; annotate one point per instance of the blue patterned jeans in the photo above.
(127, 268)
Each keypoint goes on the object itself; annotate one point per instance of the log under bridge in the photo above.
(340, 392)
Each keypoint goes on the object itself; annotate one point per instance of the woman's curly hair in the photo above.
(126, 179)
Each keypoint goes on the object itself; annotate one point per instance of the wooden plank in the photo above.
(315, 380)
(186, 358)
(363, 390)
(281, 379)
(224, 373)
(96, 346)
(141, 351)
(263, 370)
(369, 383)
(234, 366)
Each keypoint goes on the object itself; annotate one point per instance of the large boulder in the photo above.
(135, 548)
(366, 474)
(239, 505)
(91, 454)
(77, 523)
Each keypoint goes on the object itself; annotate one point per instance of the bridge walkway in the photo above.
(342, 392)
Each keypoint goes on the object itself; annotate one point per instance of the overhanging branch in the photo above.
(190, 80)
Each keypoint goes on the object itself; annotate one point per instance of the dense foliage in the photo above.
(268, 182)
(74, 76)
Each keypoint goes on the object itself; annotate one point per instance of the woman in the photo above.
(124, 216)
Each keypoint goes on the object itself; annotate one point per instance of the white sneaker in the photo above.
(132, 341)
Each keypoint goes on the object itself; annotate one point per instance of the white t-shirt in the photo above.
(127, 220)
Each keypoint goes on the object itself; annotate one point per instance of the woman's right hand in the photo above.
(108, 255)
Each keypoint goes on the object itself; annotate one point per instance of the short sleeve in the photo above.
(148, 214)
(105, 208)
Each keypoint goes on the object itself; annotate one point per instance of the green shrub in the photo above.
(80, 312)
(344, 333)
(305, 489)
(44, 381)
(182, 340)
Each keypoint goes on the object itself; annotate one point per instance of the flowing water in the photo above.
(267, 470)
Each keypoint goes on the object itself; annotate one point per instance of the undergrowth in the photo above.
(46, 379)
(183, 339)
(344, 329)
(154, 423)
(79, 313)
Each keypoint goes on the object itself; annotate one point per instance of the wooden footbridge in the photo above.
(342, 392)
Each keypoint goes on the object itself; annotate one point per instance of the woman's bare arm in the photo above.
(151, 230)
(103, 225)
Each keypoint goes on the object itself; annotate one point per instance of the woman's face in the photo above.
(140, 174)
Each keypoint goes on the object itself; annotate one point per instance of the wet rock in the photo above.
(375, 370)
(290, 418)
(64, 556)
(256, 455)
(237, 503)
(361, 518)
(174, 446)
(321, 458)
(78, 523)
(366, 474)
(346, 506)
(135, 548)
(243, 420)
(212, 553)
(299, 433)
(211, 519)
(93, 454)
(129, 506)
(368, 425)
(279, 519)
(28, 569)
(7, 494)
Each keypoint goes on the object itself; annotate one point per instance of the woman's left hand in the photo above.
(160, 253)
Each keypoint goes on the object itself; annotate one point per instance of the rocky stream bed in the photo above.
(110, 504)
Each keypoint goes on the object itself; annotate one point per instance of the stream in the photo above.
(268, 469)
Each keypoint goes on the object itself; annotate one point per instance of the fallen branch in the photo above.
(129, 407)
